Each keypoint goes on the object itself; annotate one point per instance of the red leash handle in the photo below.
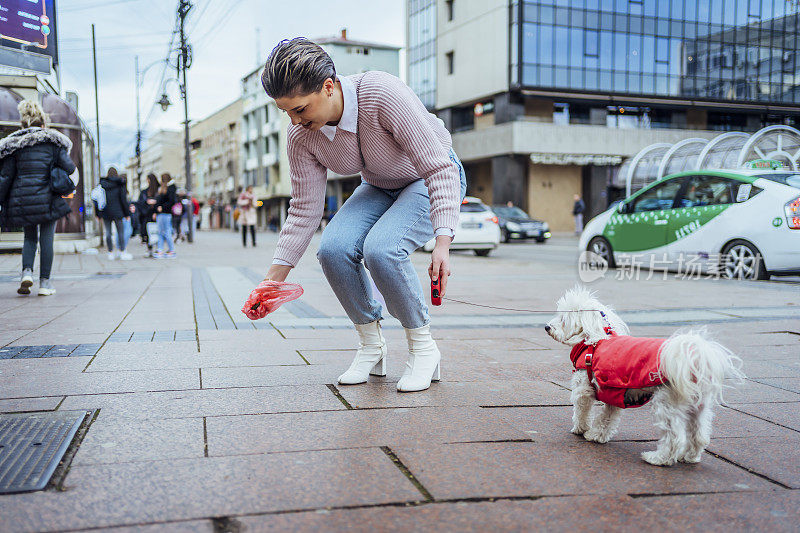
(436, 297)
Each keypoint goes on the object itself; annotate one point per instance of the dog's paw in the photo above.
(578, 430)
(594, 435)
(691, 458)
(656, 458)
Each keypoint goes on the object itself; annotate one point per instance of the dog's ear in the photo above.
(617, 324)
(593, 326)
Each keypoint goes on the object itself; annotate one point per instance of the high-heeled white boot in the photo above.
(423, 361)
(370, 358)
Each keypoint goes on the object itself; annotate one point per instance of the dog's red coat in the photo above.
(618, 363)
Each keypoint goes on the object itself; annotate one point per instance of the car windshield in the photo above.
(472, 207)
(793, 180)
(510, 212)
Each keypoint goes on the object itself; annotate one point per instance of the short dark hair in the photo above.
(296, 67)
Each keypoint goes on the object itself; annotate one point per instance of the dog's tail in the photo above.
(696, 367)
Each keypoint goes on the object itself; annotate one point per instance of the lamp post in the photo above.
(139, 82)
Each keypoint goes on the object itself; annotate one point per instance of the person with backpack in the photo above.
(146, 207)
(165, 201)
(115, 208)
(29, 158)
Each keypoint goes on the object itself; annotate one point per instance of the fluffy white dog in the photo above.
(683, 376)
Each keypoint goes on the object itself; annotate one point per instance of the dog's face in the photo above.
(580, 318)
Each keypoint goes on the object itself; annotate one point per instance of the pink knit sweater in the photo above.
(400, 142)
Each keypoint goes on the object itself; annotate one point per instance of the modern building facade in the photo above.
(163, 152)
(264, 126)
(215, 142)
(546, 99)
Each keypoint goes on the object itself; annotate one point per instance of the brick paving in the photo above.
(202, 420)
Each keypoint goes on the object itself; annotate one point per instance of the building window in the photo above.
(449, 4)
(449, 59)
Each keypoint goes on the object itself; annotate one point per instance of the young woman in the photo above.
(116, 209)
(146, 207)
(247, 214)
(27, 156)
(412, 186)
(165, 199)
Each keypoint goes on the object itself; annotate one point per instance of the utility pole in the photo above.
(184, 62)
(96, 103)
(138, 135)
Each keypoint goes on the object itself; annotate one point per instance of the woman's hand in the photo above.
(440, 262)
(278, 272)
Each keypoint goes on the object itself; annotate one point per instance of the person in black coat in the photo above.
(117, 208)
(27, 158)
(146, 208)
(165, 199)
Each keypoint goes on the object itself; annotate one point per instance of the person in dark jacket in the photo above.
(165, 199)
(117, 207)
(577, 213)
(27, 158)
(146, 207)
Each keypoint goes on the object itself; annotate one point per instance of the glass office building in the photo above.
(715, 50)
(422, 49)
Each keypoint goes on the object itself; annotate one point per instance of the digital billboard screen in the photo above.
(29, 25)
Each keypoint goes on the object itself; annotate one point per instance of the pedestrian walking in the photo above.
(165, 201)
(146, 205)
(247, 214)
(116, 208)
(577, 213)
(412, 185)
(28, 159)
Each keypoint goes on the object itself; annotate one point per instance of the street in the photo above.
(201, 420)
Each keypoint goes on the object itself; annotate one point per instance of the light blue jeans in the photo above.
(164, 221)
(379, 229)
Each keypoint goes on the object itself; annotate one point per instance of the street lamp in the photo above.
(139, 82)
(164, 102)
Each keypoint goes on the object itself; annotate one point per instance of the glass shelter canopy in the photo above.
(732, 150)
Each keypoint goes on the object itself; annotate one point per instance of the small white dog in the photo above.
(683, 376)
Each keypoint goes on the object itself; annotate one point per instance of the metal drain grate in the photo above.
(31, 446)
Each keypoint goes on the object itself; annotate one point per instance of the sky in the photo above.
(229, 38)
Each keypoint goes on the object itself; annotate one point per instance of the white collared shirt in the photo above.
(349, 120)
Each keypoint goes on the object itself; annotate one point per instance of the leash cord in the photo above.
(516, 310)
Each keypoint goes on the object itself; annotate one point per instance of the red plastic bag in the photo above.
(268, 296)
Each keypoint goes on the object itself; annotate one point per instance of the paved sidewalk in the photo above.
(205, 421)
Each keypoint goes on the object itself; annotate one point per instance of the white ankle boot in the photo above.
(423, 362)
(370, 358)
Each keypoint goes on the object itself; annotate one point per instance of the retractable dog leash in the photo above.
(436, 299)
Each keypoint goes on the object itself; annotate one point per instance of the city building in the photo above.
(263, 143)
(547, 99)
(216, 167)
(163, 152)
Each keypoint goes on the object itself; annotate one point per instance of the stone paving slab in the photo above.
(210, 402)
(753, 392)
(778, 458)
(184, 489)
(191, 526)
(30, 404)
(552, 424)
(786, 414)
(771, 368)
(536, 469)
(791, 384)
(157, 361)
(543, 514)
(109, 440)
(258, 376)
(103, 383)
(777, 511)
(64, 366)
(354, 429)
(455, 394)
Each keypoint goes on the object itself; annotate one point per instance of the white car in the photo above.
(478, 229)
(745, 223)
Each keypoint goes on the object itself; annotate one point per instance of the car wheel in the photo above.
(506, 236)
(742, 260)
(483, 253)
(540, 240)
(602, 247)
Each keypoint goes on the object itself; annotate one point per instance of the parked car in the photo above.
(744, 222)
(478, 229)
(516, 224)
